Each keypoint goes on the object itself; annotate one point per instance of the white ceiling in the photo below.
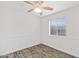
(57, 5)
(60, 6)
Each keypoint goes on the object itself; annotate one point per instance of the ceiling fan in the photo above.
(38, 6)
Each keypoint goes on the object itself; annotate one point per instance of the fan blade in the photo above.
(40, 2)
(29, 2)
(47, 8)
(30, 10)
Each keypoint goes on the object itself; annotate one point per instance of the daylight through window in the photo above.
(57, 27)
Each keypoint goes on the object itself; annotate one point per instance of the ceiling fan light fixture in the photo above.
(37, 10)
(38, 7)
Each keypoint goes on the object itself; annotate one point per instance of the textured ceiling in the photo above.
(57, 5)
(60, 6)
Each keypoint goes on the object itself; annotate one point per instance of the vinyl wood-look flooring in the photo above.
(38, 51)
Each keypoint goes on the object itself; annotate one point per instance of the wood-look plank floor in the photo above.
(38, 51)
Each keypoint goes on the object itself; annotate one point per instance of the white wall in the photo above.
(18, 29)
(69, 43)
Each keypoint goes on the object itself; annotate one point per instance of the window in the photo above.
(57, 27)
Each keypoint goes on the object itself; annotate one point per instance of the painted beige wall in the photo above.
(69, 43)
(18, 29)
